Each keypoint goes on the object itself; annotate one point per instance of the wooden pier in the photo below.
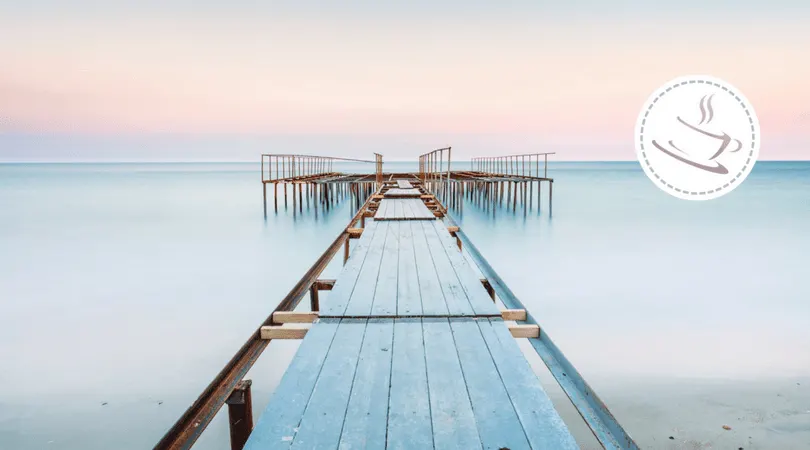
(414, 347)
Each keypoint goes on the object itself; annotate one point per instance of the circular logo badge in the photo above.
(697, 137)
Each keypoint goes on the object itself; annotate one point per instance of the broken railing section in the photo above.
(434, 171)
(317, 179)
(595, 413)
(525, 165)
(226, 385)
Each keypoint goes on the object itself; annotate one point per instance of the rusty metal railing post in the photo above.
(240, 414)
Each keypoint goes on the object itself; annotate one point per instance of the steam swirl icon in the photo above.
(705, 145)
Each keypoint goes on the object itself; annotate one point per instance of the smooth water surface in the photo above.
(124, 288)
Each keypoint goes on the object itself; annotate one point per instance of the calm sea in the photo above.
(124, 288)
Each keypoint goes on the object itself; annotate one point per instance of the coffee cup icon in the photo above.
(698, 145)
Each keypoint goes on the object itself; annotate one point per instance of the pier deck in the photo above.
(409, 351)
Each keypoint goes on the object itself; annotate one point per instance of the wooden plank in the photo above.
(367, 414)
(525, 331)
(408, 210)
(542, 424)
(513, 314)
(402, 193)
(497, 421)
(454, 295)
(451, 412)
(360, 276)
(385, 293)
(409, 425)
(478, 297)
(398, 212)
(294, 316)
(322, 421)
(409, 300)
(381, 209)
(422, 212)
(276, 426)
(283, 332)
(404, 184)
(430, 291)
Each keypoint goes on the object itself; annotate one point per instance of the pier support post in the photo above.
(275, 195)
(346, 251)
(240, 414)
(550, 186)
(264, 197)
(314, 301)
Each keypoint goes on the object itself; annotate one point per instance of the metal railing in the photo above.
(289, 167)
(434, 170)
(526, 165)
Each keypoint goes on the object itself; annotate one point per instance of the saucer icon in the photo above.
(697, 138)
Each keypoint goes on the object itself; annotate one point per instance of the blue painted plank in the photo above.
(452, 416)
(359, 303)
(367, 414)
(454, 295)
(322, 421)
(544, 427)
(429, 288)
(381, 209)
(385, 294)
(276, 427)
(341, 292)
(495, 416)
(477, 296)
(398, 212)
(409, 424)
(409, 301)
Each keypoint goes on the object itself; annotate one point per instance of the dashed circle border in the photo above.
(742, 103)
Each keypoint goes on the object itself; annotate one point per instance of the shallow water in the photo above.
(125, 287)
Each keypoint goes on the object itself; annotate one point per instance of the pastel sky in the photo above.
(176, 79)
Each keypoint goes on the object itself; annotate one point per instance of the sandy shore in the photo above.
(690, 414)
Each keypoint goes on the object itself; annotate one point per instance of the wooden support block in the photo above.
(354, 233)
(296, 317)
(283, 332)
(325, 285)
(438, 214)
(525, 331)
(377, 196)
(426, 196)
(368, 213)
(513, 314)
(452, 229)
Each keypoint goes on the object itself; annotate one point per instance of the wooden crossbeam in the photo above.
(525, 331)
(354, 233)
(283, 332)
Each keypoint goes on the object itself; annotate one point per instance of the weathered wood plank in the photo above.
(367, 414)
(524, 331)
(322, 421)
(451, 412)
(404, 184)
(294, 316)
(542, 424)
(478, 297)
(408, 296)
(454, 295)
(430, 290)
(381, 211)
(283, 332)
(385, 293)
(409, 425)
(361, 276)
(402, 193)
(276, 427)
(497, 421)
